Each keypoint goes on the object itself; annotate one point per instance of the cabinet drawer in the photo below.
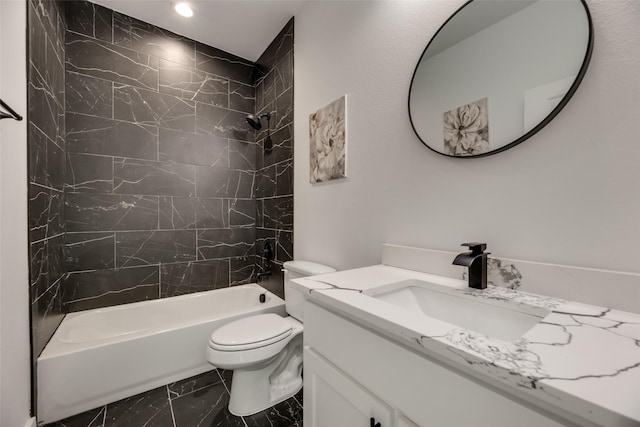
(332, 399)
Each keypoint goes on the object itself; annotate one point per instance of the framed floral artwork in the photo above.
(466, 129)
(328, 142)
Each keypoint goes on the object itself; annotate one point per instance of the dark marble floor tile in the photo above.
(150, 409)
(284, 414)
(92, 418)
(195, 383)
(148, 107)
(187, 278)
(194, 149)
(106, 61)
(89, 19)
(104, 288)
(135, 248)
(205, 407)
(89, 251)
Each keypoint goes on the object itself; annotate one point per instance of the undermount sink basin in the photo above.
(487, 316)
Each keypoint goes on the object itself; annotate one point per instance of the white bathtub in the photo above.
(103, 355)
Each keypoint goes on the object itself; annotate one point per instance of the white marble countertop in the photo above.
(581, 358)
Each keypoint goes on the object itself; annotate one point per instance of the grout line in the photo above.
(173, 417)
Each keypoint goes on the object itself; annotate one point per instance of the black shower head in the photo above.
(255, 121)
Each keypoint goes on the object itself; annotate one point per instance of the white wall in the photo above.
(568, 195)
(15, 382)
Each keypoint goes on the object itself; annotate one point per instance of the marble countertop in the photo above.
(582, 358)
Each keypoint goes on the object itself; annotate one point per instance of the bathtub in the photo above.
(103, 355)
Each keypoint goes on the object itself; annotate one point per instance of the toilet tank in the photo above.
(294, 299)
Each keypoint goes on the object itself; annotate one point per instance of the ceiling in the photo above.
(242, 27)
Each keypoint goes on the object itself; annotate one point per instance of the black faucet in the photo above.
(476, 260)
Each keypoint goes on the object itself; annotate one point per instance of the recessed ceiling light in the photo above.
(184, 9)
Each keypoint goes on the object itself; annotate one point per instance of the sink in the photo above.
(469, 310)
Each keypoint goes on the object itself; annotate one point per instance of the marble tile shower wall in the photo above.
(274, 180)
(159, 191)
(46, 135)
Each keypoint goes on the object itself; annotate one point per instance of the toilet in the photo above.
(265, 350)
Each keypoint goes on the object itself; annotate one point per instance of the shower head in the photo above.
(254, 121)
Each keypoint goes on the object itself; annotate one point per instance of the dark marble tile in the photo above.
(284, 178)
(260, 213)
(89, 251)
(95, 135)
(151, 408)
(104, 288)
(131, 176)
(46, 314)
(264, 236)
(44, 109)
(242, 155)
(266, 90)
(135, 248)
(185, 82)
(106, 212)
(56, 166)
(278, 213)
(46, 212)
(284, 250)
(147, 107)
(46, 160)
(106, 61)
(274, 283)
(282, 146)
(143, 37)
(88, 95)
(92, 418)
(88, 173)
(242, 97)
(285, 71)
(205, 407)
(186, 278)
(89, 19)
(284, 107)
(194, 149)
(47, 12)
(216, 61)
(37, 42)
(193, 212)
(266, 181)
(278, 48)
(222, 182)
(284, 414)
(212, 120)
(198, 382)
(223, 243)
(243, 270)
(47, 265)
(242, 212)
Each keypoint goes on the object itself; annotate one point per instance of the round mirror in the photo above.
(497, 72)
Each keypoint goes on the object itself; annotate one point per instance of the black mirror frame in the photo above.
(539, 126)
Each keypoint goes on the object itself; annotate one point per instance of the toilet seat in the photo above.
(250, 333)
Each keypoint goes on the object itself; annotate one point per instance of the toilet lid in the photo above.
(250, 332)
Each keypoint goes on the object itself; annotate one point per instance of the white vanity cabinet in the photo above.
(353, 374)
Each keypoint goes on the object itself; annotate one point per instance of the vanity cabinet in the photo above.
(353, 374)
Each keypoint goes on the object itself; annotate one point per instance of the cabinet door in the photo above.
(332, 399)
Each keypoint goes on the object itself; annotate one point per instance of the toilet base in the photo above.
(271, 382)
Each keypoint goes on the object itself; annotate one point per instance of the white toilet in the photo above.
(265, 351)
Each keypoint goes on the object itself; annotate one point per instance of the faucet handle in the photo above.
(476, 247)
